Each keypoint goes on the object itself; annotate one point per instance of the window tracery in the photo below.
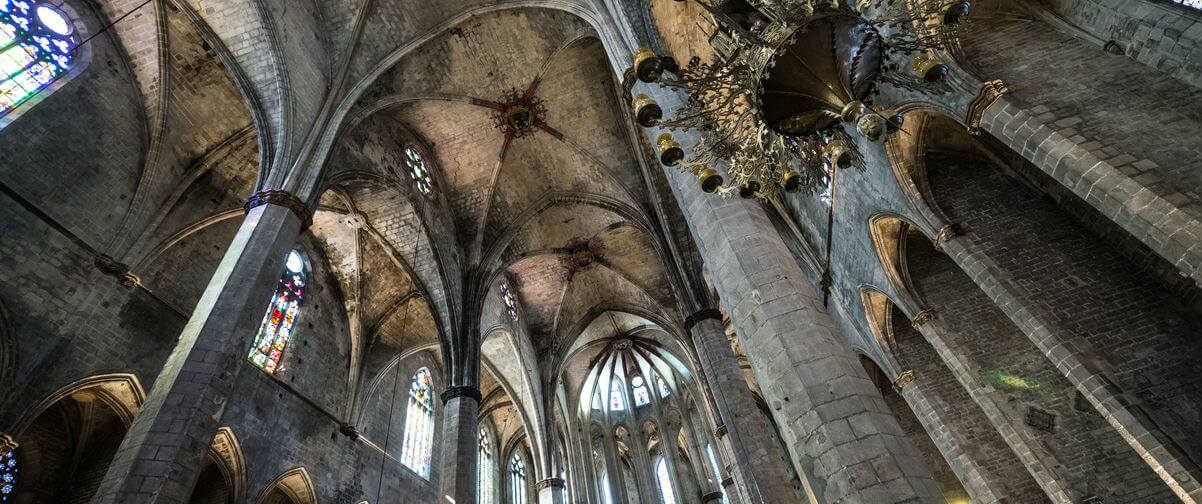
(419, 425)
(616, 403)
(665, 483)
(517, 480)
(641, 397)
(511, 304)
(709, 452)
(664, 391)
(277, 325)
(8, 474)
(484, 472)
(415, 164)
(37, 46)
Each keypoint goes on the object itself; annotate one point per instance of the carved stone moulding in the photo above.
(284, 199)
(461, 391)
(550, 483)
(988, 93)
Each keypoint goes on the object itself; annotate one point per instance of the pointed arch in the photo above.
(292, 487)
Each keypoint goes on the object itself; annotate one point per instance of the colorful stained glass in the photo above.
(484, 470)
(641, 397)
(277, 325)
(37, 45)
(616, 403)
(416, 166)
(1197, 4)
(517, 480)
(8, 471)
(511, 304)
(419, 424)
(709, 451)
(663, 387)
(665, 483)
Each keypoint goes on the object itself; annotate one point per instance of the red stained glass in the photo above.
(272, 339)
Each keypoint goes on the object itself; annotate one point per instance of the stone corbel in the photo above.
(988, 93)
(947, 232)
(922, 317)
(550, 483)
(284, 199)
(720, 431)
(120, 270)
(712, 496)
(906, 378)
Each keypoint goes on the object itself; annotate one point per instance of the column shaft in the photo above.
(161, 456)
(457, 478)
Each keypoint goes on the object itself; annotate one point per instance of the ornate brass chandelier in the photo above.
(785, 76)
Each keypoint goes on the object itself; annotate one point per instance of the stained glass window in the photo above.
(484, 472)
(511, 304)
(615, 396)
(37, 45)
(709, 451)
(517, 480)
(665, 484)
(641, 397)
(416, 166)
(281, 315)
(8, 473)
(419, 424)
(663, 387)
(1197, 4)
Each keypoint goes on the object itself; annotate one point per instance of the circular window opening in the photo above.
(53, 19)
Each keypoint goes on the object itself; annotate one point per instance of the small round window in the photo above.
(415, 164)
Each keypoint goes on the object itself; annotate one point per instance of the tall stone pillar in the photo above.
(552, 491)
(829, 412)
(163, 452)
(457, 477)
(756, 467)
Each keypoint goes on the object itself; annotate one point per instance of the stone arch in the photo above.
(223, 476)
(292, 487)
(66, 442)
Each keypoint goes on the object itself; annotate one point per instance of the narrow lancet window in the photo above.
(484, 470)
(641, 397)
(419, 425)
(665, 483)
(281, 315)
(517, 480)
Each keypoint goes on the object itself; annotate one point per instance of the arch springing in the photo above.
(517, 480)
(419, 425)
(37, 46)
(277, 325)
(415, 164)
(639, 388)
(665, 483)
(484, 470)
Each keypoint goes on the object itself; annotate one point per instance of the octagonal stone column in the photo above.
(830, 414)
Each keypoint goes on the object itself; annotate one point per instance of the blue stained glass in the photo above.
(665, 483)
(416, 166)
(663, 387)
(8, 471)
(272, 338)
(511, 304)
(1197, 4)
(36, 47)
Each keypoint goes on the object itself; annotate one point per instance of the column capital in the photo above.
(461, 391)
(702, 314)
(712, 496)
(281, 198)
(906, 378)
(720, 432)
(550, 483)
(7, 444)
